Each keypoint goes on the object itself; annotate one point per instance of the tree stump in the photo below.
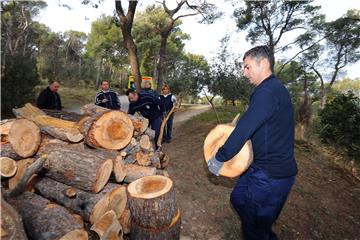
(91, 206)
(80, 169)
(8, 167)
(239, 163)
(110, 130)
(24, 137)
(153, 208)
(44, 220)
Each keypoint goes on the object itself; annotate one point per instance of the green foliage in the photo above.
(340, 123)
(226, 115)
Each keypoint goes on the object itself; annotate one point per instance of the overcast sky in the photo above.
(204, 38)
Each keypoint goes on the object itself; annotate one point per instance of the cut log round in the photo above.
(130, 172)
(145, 143)
(24, 137)
(169, 232)
(110, 130)
(58, 128)
(11, 223)
(8, 167)
(125, 221)
(92, 109)
(45, 220)
(79, 169)
(143, 159)
(152, 202)
(239, 163)
(7, 151)
(107, 227)
(140, 123)
(90, 206)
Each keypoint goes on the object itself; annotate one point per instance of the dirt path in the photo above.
(324, 202)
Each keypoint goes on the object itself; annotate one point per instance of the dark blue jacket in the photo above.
(112, 97)
(148, 105)
(269, 123)
(167, 102)
(49, 100)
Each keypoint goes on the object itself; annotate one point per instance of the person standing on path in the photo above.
(49, 97)
(168, 100)
(106, 97)
(149, 106)
(262, 190)
(147, 89)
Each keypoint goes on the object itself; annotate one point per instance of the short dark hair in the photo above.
(104, 81)
(51, 82)
(260, 52)
(130, 90)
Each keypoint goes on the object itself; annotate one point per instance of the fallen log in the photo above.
(80, 169)
(239, 163)
(24, 137)
(22, 165)
(108, 227)
(7, 151)
(92, 109)
(91, 206)
(130, 172)
(110, 130)
(44, 220)
(8, 167)
(58, 128)
(64, 115)
(152, 202)
(11, 223)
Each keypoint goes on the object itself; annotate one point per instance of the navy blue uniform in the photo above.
(49, 100)
(261, 192)
(112, 97)
(151, 108)
(168, 102)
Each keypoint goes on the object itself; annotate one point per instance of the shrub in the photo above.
(340, 123)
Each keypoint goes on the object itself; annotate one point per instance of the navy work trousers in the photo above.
(168, 129)
(155, 125)
(258, 199)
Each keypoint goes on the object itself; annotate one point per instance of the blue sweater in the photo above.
(148, 105)
(269, 123)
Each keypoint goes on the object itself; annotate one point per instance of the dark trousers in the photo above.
(168, 129)
(258, 200)
(155, 125)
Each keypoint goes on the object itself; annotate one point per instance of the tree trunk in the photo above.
(80, 169)
(152, 202)
(90, 206)
(169, 232)
(8, 167)
(44, 220)
(11, 223)
(162, 53)
(110, 130)
(239, 163)
(58, 128)
(24, 137)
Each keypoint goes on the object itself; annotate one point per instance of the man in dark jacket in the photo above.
(261, 191)
(147, 89)
(49, 98)
(106, 97)
(149, 106)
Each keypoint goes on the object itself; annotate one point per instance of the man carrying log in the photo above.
(261, 191)
(49, 97)
(149, 106)
(106, 97)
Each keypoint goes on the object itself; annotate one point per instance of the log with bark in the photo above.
(80, 169)
(58, 128)
(6, 150)
(11, 223)
(44, 220)
(239, 163)
(140, 123)
(22, 166)
(91, 206)
(108, 227)
(92, 109)
(24, 137)
(152, 202)
(64, 115)
(5, 126)
(110, 130)
(8, 167)
(125, 221)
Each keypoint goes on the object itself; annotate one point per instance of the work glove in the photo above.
(214, 166)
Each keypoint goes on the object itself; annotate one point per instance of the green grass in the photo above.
(226, 114)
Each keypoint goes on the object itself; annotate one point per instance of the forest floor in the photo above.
(324, 202)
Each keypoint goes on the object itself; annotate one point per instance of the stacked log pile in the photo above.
(67, 175)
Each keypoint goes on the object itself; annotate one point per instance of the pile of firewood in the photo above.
(68, 176)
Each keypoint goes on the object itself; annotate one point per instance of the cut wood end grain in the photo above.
(150, 187)
(8, 167)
